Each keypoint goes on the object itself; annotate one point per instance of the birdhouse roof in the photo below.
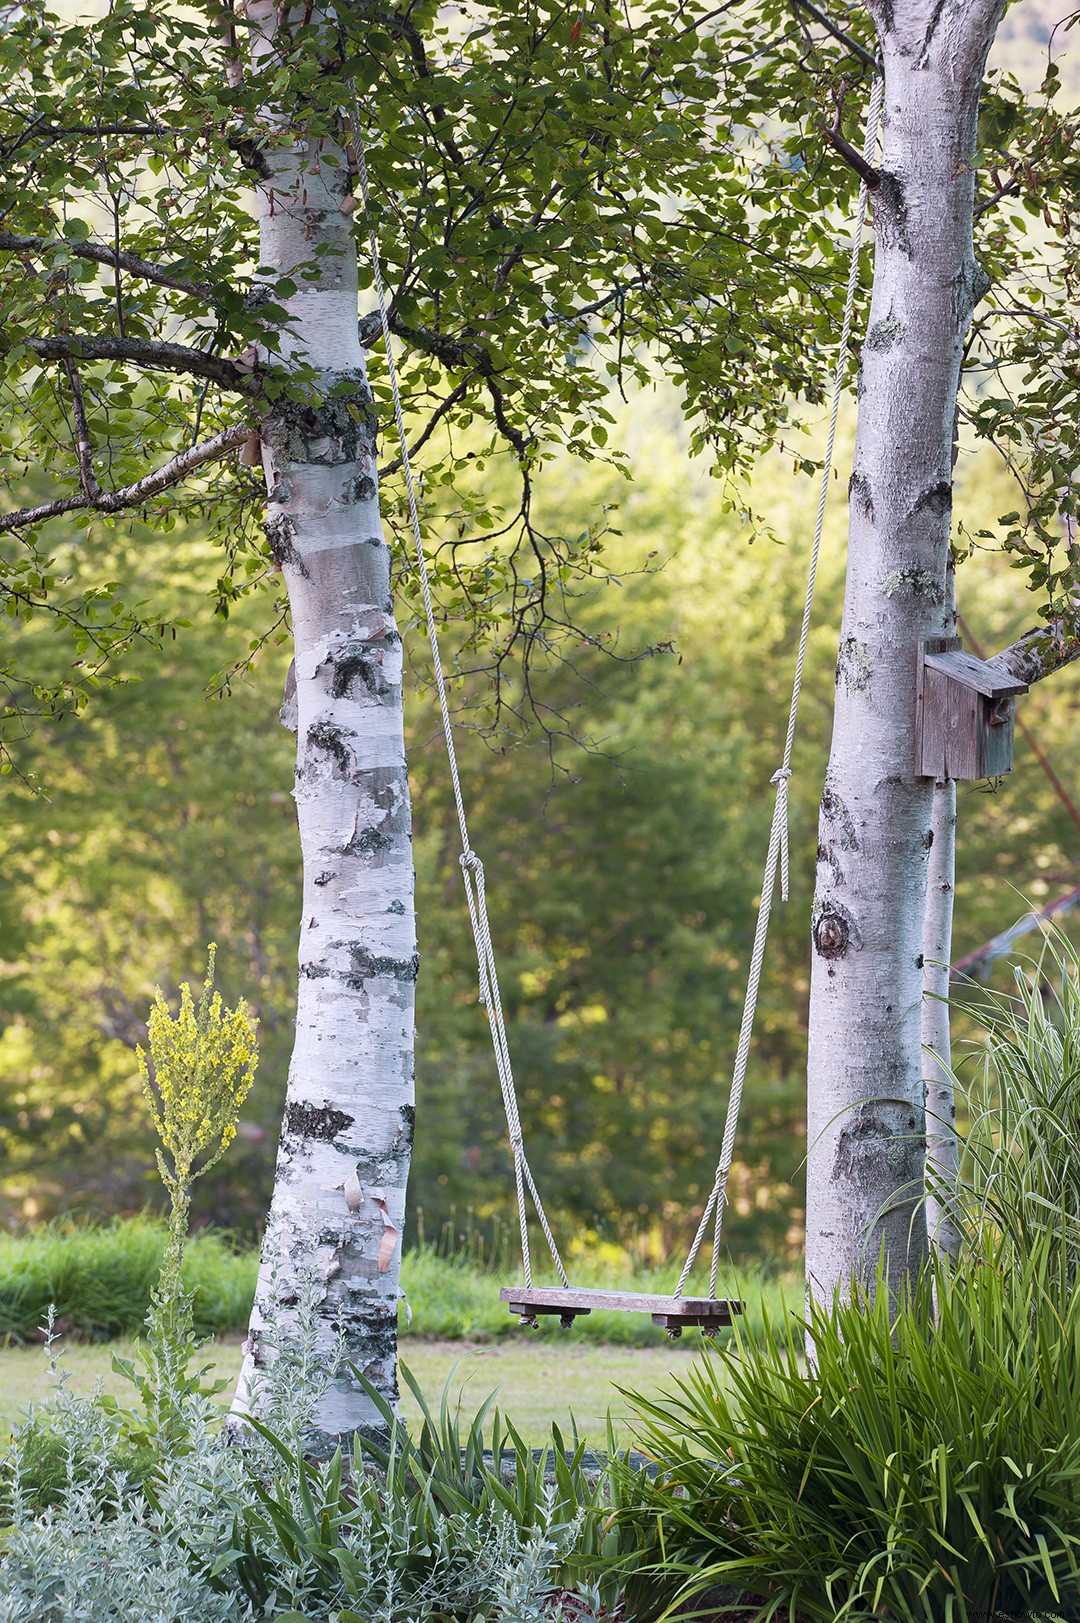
(977, 674)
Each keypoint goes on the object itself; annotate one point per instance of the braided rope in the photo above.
(778, 834)
(471, 866)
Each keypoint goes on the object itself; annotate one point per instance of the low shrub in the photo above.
(926, 1469)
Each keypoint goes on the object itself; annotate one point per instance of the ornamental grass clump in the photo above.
(1020, 1157)
(926, 1469)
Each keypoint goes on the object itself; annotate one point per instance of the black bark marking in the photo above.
(890, 213)
(280, 531)
(931, 30)
(366, 842)
(314, 972)
(396, 907)
(831, 934)
(928, 839)
(368, 966)
(316, 1121)
(408, 1124)
(937, 499)
(885, 335)
(361, 661)
(325, 878)
(325, 736)
(919, 960)
(361, 489)
(836, 813)
(859, 493)
(337, 429)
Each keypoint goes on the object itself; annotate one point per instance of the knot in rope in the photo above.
(781, 778)
(470, 861)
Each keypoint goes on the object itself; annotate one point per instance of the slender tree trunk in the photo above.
(333, 1237)
(866, 1117)
(942, 1149)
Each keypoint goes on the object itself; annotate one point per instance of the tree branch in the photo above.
(104, 254)
(437, 415)
(113, 501)
(141, 352)
(84, 451)
(830, 27)
(1011, 189)
(1038, 653)
(851, 155)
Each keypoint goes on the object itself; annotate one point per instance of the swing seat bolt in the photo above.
(529, 1321)
(567, 1321)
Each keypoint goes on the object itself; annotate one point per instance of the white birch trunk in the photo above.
(942, 1148)
(865, 1113)
(334, 1232)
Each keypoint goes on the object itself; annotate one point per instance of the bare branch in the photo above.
(1010, 189)
(104, 254)
(830, 27)
(851, 155)
(83, 448)
(1038, 653)
(440, 412)
(113, 501)
(141, 352)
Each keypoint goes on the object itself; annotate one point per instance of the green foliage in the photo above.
(564, 202)
(99, 1279)
(451, 1525)
(1020, 1171)
(99, 1282)
(204, 1062)
(926, 1467)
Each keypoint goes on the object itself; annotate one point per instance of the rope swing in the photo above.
(677, 1311)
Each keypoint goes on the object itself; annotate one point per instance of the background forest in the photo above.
(623, 856)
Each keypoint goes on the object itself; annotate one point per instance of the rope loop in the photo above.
(470, 861)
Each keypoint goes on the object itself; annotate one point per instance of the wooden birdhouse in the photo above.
(964, 714)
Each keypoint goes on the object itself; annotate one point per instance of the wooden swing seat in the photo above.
(674, 1313)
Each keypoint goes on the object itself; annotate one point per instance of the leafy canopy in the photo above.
(565, 197)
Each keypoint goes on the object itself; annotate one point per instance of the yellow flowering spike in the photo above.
(203, 1061)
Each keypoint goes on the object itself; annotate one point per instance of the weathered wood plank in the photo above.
(974, 673)
(558, 1299)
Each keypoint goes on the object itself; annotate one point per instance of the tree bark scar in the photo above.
(306, 1120)
(367, 965)
(931, 30)
(842, 826)
(361, 663)
(280, 530)
(324, 735)
(890, 214)
(937, 500)
(831, 934)
(859, 491)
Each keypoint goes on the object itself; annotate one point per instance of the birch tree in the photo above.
(867, 1125)
(181, 284)
(565, 198)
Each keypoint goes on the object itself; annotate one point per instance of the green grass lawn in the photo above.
(537, 1381)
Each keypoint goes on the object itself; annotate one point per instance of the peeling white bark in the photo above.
(865, 1088)
(338, 1207)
